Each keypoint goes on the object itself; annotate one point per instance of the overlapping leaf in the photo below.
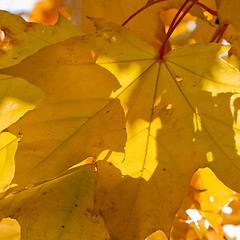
(208, 196)
(10, 229)
(228, 12)
(23, 38)
(174, 125)
(234, 216)
(17, 97)
(151, 30)
(76, 119)
(8, 148)
(57, 208)
(212, 201)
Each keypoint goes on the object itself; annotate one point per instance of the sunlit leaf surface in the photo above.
(8, 148)
(145, 122)
(77, 117)
(175, 124)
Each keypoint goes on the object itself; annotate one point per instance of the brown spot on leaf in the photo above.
(88, 210)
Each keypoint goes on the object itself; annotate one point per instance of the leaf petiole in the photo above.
(220, 30)
(174, 24)
(214, 13)
(140, 10)
(155, 2)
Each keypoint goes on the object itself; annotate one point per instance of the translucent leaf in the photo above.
(8, 148)
(228, 12)
(17, 97)
(21, 39)
(9, 229)
(175, 124)
(77, 118)
(181, 113)
(57, 208)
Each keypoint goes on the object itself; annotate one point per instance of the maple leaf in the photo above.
(174, 125)
(124, 12)
(170, 131)
(77, 117)
(210, 200)
(119, 11)
(208, 196)
(152, 128)
(22, 39)
(57, 208)
(17, 96)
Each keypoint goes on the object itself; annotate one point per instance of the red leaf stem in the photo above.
(170, 31)
(140, 10)
(149, 5)
(214, 13)
(219, 33)
(222, 32)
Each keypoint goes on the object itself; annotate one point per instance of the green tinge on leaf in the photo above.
(61, 208)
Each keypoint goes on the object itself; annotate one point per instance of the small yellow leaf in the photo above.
(9, 229)
(8, 148)
(158, 235)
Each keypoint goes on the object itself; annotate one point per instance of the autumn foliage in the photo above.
(116, 123)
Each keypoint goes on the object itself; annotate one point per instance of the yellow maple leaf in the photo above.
(174, 125)
(173, 120)
(77, 106)
(208, 196)
(17, 97)
(147, 21)
(22, 39)
(57, 208)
